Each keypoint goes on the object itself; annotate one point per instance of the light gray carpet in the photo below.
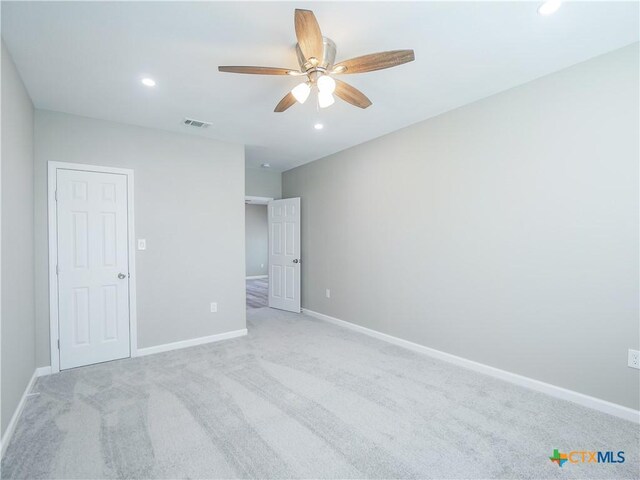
(300, 398)
(257, 293)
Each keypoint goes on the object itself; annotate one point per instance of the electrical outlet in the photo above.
(214, 307)
(634, 359)
(142, 244)
(328, 293)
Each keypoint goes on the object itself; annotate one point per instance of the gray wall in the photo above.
(18, 315)
(505, 232)
(189, 198)
(260, 182)
(256, 240)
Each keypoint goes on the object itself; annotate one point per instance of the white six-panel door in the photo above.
(284, 254)
(93, 273)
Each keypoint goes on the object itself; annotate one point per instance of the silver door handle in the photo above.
(122, 276)
(295, 260)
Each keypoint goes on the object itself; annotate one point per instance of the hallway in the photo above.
(257, 293)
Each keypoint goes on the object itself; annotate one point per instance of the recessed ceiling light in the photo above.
(148, 82)
(549, 7)
(318, 126)
(266, 165)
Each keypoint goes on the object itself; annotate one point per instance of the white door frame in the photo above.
(257, 200)
(53, 254)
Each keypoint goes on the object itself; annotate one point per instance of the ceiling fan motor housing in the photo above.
(327, 60)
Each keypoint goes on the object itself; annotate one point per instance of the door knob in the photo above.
(122, 276)
(295, 260)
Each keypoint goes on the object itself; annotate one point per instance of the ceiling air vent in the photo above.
(190, 122)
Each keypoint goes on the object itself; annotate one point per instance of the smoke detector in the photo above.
(190, 122)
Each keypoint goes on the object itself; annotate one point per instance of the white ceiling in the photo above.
(87, 58)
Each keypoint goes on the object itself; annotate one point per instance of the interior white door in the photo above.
(93, 267)
(284, 254)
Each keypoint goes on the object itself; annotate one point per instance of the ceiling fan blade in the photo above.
(285, 103)
(351, 95)
(374, 61)
(259, 70)
(309, 35)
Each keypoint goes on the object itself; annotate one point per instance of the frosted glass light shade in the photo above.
(325, 99)
(301, 92)
(326, 84)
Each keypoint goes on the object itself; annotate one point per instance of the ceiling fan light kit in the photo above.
(316, 57)
(325, 99)
(326, 84)
(301, 92)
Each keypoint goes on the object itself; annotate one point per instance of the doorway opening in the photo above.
(257, 251)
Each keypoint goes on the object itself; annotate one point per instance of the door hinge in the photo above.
(58, 344)
(57, 270)
(55, 194)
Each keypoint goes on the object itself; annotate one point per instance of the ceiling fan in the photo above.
(316, 56)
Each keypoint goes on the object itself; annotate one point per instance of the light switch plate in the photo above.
(142, 244)
(328, 293)
(634, 359)
(214, 307)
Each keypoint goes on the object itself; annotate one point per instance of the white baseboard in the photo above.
(190, 343)
(42, 371)
(255, 277)
(553, 390)
(39, 372)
